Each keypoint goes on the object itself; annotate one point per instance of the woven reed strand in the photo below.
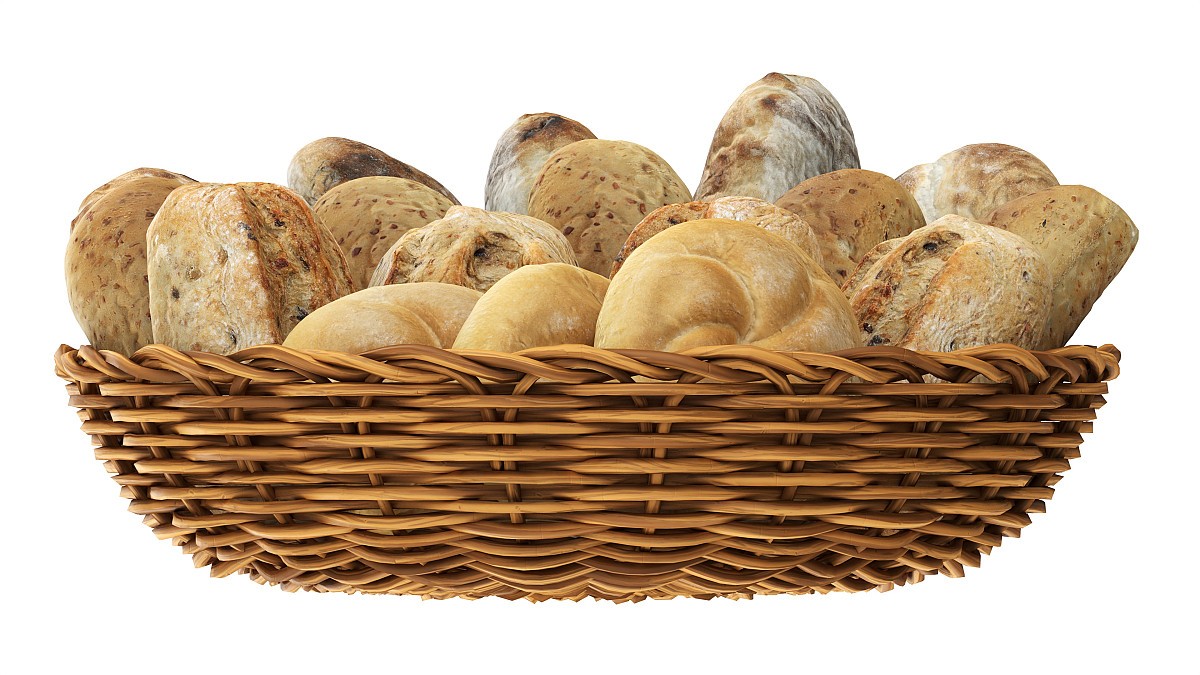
(571, 472)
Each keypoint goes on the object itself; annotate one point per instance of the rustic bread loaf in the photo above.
(233, 266)
(780, 131)
(851, 211)
(471, 247)
(955, 284)
(520, 154)
(744, 209)
(420, 314)
(367, 215)
(327, 162)
(715, 282)
(1086, 239)
(975, 179)
(859, 275)
(595, 192)
(536, 306)
(106, 258)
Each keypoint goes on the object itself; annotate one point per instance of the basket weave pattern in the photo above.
(572, 472)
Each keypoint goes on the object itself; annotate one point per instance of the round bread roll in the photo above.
(595, 192)
(716, 282)
(520, 154)
(975, 179)
(1086, 239)
(851, 211)
(327, 162)
(367, 215)
(744, 209)
(471, 247)
(955, 284)
(381, 316)
(781, 130)
(536, 306)
(106, 258)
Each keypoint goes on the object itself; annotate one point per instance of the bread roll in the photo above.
(714, 282)
(744, 209)
(328, 162)
(975, 179)
(520, 154)
(367, 215)
(859, 275)
(955, 284)
(536, 306)
(233, 266)
(106, 258)
(781, 130)
(419, 313)
(851, 211)
(1085, 238)
(471, 247)
(596, 191)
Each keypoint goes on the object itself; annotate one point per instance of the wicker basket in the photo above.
(572, 472)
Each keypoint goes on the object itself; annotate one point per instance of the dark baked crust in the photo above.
(327, 162)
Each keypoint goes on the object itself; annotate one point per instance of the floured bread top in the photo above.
(520, 154)
(974, 180)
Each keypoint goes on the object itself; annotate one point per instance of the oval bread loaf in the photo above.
(327, 162)
(520, 154)
(975, 179)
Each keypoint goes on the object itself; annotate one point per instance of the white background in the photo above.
(1104, 582)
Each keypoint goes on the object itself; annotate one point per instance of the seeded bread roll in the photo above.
(367, 215)
(536, 306)
(595, 192)
(471, 247)
(381, 316)
(106, 258)
(955, 284)
(975, 179)
(1086, 239)
(780, 131)
(233, 266)
(715, 282)
(520, 154)
(851, 211)
(328, 162)
(859, 276)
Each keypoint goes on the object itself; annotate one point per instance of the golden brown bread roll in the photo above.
(974, 180)
(520, 154)
(327, 162)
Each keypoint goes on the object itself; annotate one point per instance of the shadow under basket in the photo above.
(572, 472)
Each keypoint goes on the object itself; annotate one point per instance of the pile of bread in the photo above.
(786, 244)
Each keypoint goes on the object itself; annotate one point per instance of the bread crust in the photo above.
(974, 180)
(519, 155)
(327, 162)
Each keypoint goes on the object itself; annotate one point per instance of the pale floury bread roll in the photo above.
(471, 247)
(106, 258)
(425, 313)
(367, 215)
(327, 162)
(955, 284)
(1086, 239)
(975, 179)
(744, 209)
(536, 306)
(233, 266)
(716, 282)
(595, 191)
(851, 211)
(520, 154)
(780, 131)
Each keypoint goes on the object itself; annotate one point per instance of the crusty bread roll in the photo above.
(859, 275)
(780, 131)
(426, 313)
(233, 266)
(744, 209)
(326, 162)
(595, 192)
(471, 247)
(955, 284)
(1086, 239)
(975, 179)
(714, 282)
(851, 211)
(106, 258)
(536, 306)
(367, 215)
(520, 154)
